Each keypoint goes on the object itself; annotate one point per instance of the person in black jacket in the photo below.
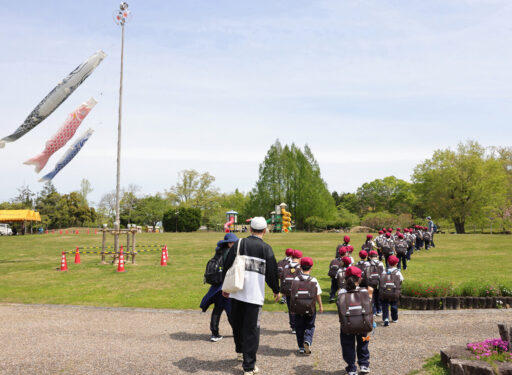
(214, 294)
(260, 267)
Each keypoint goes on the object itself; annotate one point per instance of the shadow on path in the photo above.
(193, 365)
(185, 336)
(270, 332)
(300, 370)
(275, 352)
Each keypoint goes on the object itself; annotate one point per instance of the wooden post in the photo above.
(134, 232)
(103, 243)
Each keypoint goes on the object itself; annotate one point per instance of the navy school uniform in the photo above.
(291, 317)
(390, 305)
(305, 324)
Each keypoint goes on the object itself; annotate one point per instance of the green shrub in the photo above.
(377, 220)
(187, 220)
(419, 289)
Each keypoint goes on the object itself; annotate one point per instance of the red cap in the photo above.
(390, 229)
(350, 248)
(297, 254)
(343, 250)
(388, 234)
(363, 254)
(346, 239)
(346, 261)
(369, 236)
(400, 235)
(393, 260)
(306, 261)
(289, 252)
(381, 232)
(373, 253)
(353, 271)
(383, 229)
(398, 230)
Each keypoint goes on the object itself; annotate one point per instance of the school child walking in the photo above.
(363, 265)
(214, 276)
(280, 267)
(388, 247)
(346, 262)
(374, 271)
(368, 245)
(378, 241)
(290, 271)
(401, 251)
(305, 294)
(356, 322)
(335, 265)
(390, 287)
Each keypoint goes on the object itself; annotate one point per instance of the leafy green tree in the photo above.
(348, 201)
(128, 204)
(150, 210)
(25, 197)
(291, 175)
(182, 219)
(461, 184)
(85, 189)
(388, 194)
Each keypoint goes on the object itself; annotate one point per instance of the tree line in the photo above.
(471, 185)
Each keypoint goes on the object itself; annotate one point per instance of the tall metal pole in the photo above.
(121, 18)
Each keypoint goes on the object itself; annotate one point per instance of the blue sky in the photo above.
(373, 87)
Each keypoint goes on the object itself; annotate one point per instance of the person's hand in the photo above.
(277, 297)
(321, 309)
(225, 295)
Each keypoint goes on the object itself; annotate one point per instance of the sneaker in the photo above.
(294, 331)
(283, 301)
(331, 300)
(364, 370)
(301, 351)
(307, 348)
(239, 357)
(379, 313)
(386, 323)
(215, 338)
(352, 373)
(394, 321)
(252, 372)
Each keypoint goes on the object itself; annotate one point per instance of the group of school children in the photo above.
(362, 290)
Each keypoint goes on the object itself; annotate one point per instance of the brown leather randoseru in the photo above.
(334, 267)
(355, 312)
(390, 286)
(303, 296)
(340, 278)
(287, 277)
(401, 247)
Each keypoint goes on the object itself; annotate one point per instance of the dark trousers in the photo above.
(380, 254)
(377, 308)
(350, 345)
(334, 288)
(432, 241)
(419, 244)
(305, 329)
(427, 245)
(291, 317)
(386, 305)
(402, 259)
(220, 304)
(410, 251)
(246, 331)
(386, 258)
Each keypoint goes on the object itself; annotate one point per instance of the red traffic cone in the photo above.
(95, 231)
(63, 262)
(60, 232)
(76, 232)
(87, 230)
(77, 256)
(53, 231)
(166, 252)
(66, 231)
(120, 265)
(163, 260)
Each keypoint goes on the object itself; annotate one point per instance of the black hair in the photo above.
(257, 230)
(351, 282)
(305, 268)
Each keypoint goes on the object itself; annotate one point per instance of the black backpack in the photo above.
(426, 236)
(303, 296)
(367, 246)
(289, 273)
(334, 267)
(280, 266)
(213, 272)
(401, 247)
(390, 286)
(355, 312)
(374, 272)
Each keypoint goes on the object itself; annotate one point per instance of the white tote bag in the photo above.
(234, 281)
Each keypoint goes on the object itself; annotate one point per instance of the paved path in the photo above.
(46, 339)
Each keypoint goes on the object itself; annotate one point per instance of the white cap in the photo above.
(258, 223)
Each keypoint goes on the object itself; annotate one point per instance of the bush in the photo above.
(377, 220)
(315, 223)
(188, 220)
(418, 289)
(346, 218)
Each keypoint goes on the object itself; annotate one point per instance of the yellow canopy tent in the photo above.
(19, 215)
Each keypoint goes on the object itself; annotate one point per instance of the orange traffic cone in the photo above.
(166, 252)
(66, 231)
(77, 256)
(95, 231)
(120, 265)
(76, 232)
(163, 260)
(87, 231)
(63, 262)
(60, 232)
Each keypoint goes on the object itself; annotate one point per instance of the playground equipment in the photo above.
(280, 219)
(231, 220)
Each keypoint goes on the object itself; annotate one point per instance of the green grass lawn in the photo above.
(28, 267)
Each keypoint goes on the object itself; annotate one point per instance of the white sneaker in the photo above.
(352, 373)
(215, 338)
(239, 357)
(255, 371)
(307, 348)
(364, 370)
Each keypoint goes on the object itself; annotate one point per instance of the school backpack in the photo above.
(409, 238)
(387, 246)
(426, 236)
(213, 272)
(363, 266)
(355, 312)
(340, 278)
(390, 286)
(289, 273)
(303, 296)
(367, 246)
(374, 272)
(401, 247)
(280, 266)
(419, 235)
(334, 267)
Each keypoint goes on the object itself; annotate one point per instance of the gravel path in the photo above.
(46, 339)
